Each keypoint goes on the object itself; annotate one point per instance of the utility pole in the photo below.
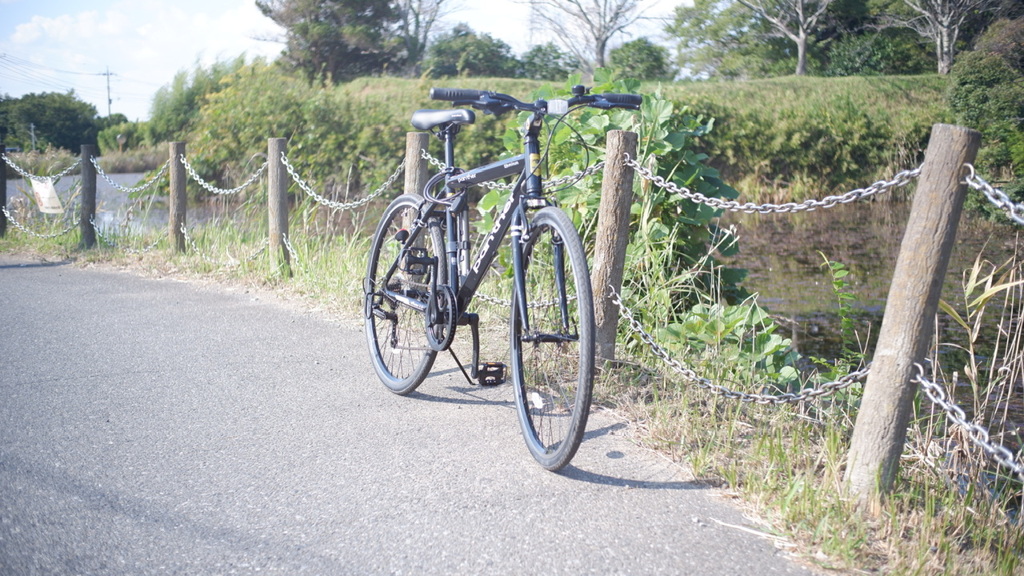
(109, 100)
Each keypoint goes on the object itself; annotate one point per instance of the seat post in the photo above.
(448, 136)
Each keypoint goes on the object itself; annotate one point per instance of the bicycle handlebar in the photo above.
(496, 103)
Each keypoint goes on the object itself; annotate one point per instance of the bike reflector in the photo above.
(558, 107)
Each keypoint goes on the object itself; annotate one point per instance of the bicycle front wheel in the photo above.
(552, 353)
(395, 330)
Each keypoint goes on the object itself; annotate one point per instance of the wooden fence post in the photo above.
(88, 207)
(415, 164)
(3, 193)
(885, 410)
(277, 202)
(178, 197)
(612, 237)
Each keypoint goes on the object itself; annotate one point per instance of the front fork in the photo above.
(519, 231)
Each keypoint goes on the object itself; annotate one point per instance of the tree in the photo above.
(986, 92)
(52, 119)
(643, 60)
(416, 20)
(335, 40)
(548, 62)
(585, 27)
(796, 20)
(941, 21)
(463, 52)
(874, 53)
(176, 105)
(719, 38)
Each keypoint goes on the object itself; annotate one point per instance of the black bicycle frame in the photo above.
(463, 278)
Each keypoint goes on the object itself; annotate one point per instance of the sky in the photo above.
(128, 49)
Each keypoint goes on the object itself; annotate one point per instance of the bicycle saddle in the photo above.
(427, 119)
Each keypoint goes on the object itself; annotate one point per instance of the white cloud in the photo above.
(143, 43)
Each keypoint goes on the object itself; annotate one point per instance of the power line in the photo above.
(47, 78)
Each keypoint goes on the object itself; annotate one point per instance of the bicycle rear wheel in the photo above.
(395, 332)
(553, 358)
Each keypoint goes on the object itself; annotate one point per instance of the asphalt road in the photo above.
(154, 426)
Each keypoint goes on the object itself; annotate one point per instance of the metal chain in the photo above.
(222, 191)
(996, 196)
(113, 244)
(340, 205)
(52, 178)
(291, 251)
(152, 181)
(979, 436)
(195, 248)
(789, 397)
(900, 179)
(22, 227)
(492, 185)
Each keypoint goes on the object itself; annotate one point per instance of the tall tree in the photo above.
(719, 38)
(335, 39)
(176, 105)
(941, 21)
(585, 27)
(796, 20)
(416, 20)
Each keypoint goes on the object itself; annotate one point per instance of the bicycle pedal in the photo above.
(490, 373)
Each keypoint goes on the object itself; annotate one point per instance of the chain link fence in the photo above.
(997, 197)
(935, 392)
(978, 435)
(340, 205)
(26, 230)
(52, 178)
(221, 191)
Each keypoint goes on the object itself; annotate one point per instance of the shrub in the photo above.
(987, 93)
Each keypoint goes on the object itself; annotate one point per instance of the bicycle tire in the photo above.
(395, 333)
(553, 364)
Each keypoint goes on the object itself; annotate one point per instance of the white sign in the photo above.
(46, 197)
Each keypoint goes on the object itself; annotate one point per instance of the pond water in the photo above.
(110, 202)
(149, 213)
(781, 254)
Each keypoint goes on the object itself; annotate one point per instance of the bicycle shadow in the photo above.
(467, 395)
(575, 472)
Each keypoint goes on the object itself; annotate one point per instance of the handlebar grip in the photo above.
(624, 100)
(455, 94)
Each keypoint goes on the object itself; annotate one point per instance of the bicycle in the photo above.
(421, 278)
